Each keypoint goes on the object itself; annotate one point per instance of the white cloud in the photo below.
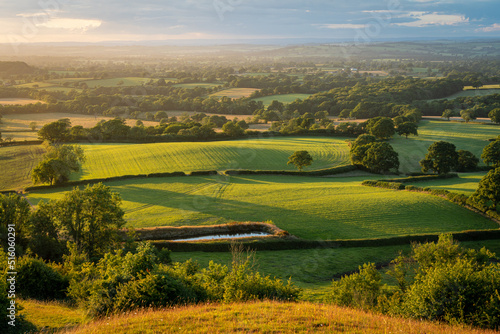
(71, 24)
(342, 26)
(493, 27)
(424, 19)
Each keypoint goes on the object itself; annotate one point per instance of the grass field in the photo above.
(307, 207)
(198, 84)
(471, 137)
(16, 163)
(285, 98)
(475, 92)
(22, 122)
(105, 160)
(20, 101)
(235, 93)
(466, 184)
(264, 317)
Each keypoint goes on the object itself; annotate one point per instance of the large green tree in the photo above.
(467, 161)
(55, 132)
(359, 147)
(495, 115)
(380, 157)
(58, 163)
(383, 128)
(491, 154)
(441, 158)
(90, 218)
(407, 128)
(300, 159)
(488, 190)
(14, 218)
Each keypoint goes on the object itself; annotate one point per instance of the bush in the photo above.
(39, 280)
(360, 290)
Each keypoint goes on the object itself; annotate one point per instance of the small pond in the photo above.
(226, 236)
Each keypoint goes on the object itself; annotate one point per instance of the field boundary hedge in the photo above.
(318, 172)
(290, 243)
(107, 179)
(21, 143)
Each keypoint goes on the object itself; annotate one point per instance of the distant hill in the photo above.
(15, 67)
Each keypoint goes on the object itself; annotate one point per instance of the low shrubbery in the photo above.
(146, 278)
(437, 281)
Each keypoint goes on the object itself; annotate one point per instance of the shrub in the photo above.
(39, 280)
(360, 290)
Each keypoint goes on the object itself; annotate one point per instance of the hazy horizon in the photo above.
(235, 21)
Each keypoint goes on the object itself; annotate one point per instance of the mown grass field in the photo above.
(465, 184)
(198, 84)
(263, 317)
(307, 207)
(235, 93)
(20, 101)
(18, 126)
(16, 163)
(105, 160)
(284, 98)
(471, 92)
(471, 137)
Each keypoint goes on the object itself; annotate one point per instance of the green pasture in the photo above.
(285, 98)
(106, 160)
(117, 82)
(16, 164)
(471, 137)
(198, 84)
(307, 207)
(465, 184)
(475, 92)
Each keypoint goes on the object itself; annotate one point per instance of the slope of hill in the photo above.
(263, 317)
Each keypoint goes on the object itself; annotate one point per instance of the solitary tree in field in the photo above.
(33, 126)
(407, 128)
(447, 114)
(300, 159)
(488, 190)
(441, 158)
(491, 154)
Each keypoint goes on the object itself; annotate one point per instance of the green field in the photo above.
(16, 163)
(105, 160)
(474, 92)
(471, 137)
(285, 98)
(198, 84)
(465, 184)
(310, 208)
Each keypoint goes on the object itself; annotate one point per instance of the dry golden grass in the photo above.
(263, 317)
(22, 122)
(20, 101)
(235, 93)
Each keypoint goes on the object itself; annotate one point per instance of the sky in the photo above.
(171, 21)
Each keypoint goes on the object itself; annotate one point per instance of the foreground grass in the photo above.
(307, 207)
(50, 316)
(106, 160)
(16, 164)
(263, 317)
(471, 137)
